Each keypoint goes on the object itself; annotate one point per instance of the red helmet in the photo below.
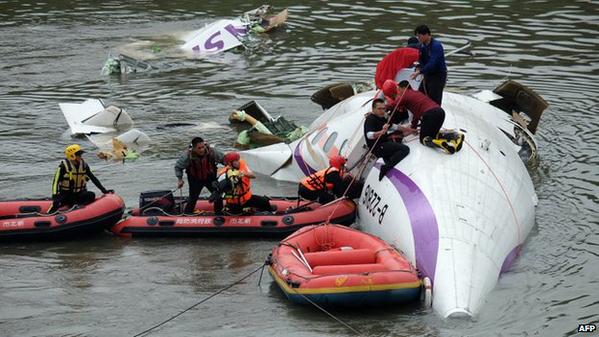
(390, 88)
(337, 162)
(231, 157)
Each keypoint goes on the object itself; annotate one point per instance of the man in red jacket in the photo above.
(428, 113)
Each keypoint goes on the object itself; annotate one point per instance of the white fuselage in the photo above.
(461, 219)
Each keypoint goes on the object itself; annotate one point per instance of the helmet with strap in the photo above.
(231, 157)
(72, 151)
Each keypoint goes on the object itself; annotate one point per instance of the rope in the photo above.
(363, 163)
(327, 243)
(198, 303)
(354, 330)
(507, 197)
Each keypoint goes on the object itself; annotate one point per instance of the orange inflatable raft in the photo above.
(26, 219)
(289, 217)
(341, 266)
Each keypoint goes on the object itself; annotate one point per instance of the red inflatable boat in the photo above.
(26, 219)
(204, 222)
(341, 266)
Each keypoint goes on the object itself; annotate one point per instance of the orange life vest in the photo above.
(316, 181)
(241, 190)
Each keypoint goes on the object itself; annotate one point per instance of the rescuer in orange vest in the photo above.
(237, 186)
(325, 185)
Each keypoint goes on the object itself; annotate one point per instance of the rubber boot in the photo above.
(454, 137)
(439, 143)
(445, 145)
(459, 142)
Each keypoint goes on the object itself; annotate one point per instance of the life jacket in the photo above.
(317, 181)
(202, 168)
(75, 179)
(241, 187)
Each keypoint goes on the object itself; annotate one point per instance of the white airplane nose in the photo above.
(457, 313)
(466, 272)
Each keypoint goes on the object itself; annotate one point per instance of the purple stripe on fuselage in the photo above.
(510, 258)
(422, 218)
(300, 161)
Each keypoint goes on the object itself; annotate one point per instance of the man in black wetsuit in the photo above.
(377, 132)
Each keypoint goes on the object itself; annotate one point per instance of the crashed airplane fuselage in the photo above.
(461, 219)
(226, 34)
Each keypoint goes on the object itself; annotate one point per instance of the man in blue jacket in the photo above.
(432, 64)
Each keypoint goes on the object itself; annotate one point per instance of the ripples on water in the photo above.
(52, 52)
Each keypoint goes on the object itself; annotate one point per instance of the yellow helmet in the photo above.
(72, 151)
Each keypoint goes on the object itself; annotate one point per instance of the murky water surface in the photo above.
(52, 52)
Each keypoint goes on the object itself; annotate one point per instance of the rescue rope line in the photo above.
(269, 261)
(327, 243)
(507, 198)
(147, 331)
(363, 165)
(354, 330)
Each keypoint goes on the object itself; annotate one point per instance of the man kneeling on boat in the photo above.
(70, 181)
(325, 185)
(237, 187)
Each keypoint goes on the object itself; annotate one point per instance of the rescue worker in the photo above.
(377, 130)
(325, 185)
(199, 162)
(70, 181)
(428, 113)
(392, 63)
(237, 186)
(432, 64)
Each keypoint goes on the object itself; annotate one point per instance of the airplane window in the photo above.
(329, 144)
(342, 147)
(318, 136)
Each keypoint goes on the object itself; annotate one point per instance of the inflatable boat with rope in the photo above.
(333, 265)
(25, 219)
(164, 218)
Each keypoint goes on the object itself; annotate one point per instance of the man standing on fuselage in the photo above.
(432, 64)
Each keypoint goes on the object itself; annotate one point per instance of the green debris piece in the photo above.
(132, 155)
(111, 66)
(257, 29)
(244, 138)
(296, 134)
